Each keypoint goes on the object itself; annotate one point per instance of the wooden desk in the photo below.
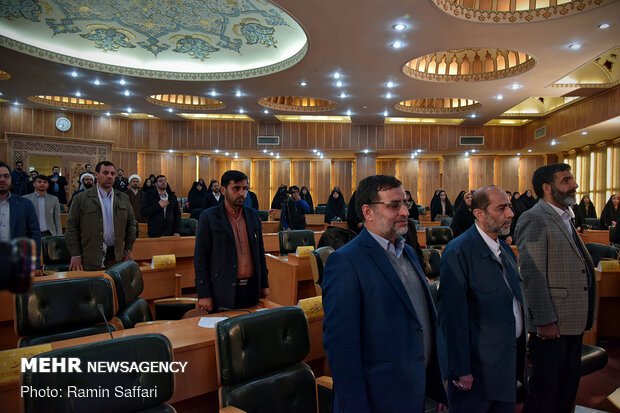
(421, 238)
(339, 224)
(185, 214)
(290, 279)
(316, 227)
(430, 223)
(270, 226)
(272, 242)
(274, 214)
(595, 236)
(143, 230)
(63, 220)
(315, 219)
(609, 303)
(181, 247)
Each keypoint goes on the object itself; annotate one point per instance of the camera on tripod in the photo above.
(17, 261)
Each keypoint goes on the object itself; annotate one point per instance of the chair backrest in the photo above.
(438, 236)
(593, 223)
(261, 362)
(263, 215)
(336, 237)
(290, 240)
(188, 227)
(55, 251)
(446, 222)
(133, 349)
(320, 209)
(61, 309)
(432, 261)
(129, 285)
(598, 251)
(318, 257)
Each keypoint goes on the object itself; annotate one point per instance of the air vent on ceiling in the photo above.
(471, 140)
(540, 132)
(268, 140)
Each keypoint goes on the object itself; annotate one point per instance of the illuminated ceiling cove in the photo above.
(182, 39)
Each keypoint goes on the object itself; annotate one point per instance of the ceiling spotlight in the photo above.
(390, 84)
(604, 26)
(388, 95)
(466, 153)
(303, 83)
(107, 113)
(385, 113)
(349, 112)
(264, 150)
(518, 153)
(277, 156)
(529, 150)
(170, 110)
(343, 95)
(213, 93)
(122, 82)
(473, 115)
(584, 132)
(129, 110)
(399, 27)
(397, 44)
(321, 156)
(217, 151)
(574, 46)
(236, 156)
(366, 151)
(226, 154)
(314, 151)
(78, 94)
(271, 153)
(97, 82)
(473, 151)
(238, 93)
(412, 155)
(336, 75)
(499, 97)
(553, 142)
(126, 93)
(515, 86)
(265, 111)
(170, 151)
(74, 74)
(16, 103)
(241, 110)
(339, 83)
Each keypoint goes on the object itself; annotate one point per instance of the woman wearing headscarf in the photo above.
(305, 195)
(335, 210)
(434, 199)
(279, 198)
(196, 196)
(149, 184)
(587, 207)
(463, 217)
(442, 208)
(413, 211)
(611, 213)
(458, 200)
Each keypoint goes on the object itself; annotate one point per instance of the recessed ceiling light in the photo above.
(321, 156)
(217, 151)
(466, 153)
(271, 153)
(518, 153)
(349, 112)
(314, 150)
(238, 93)
(264, 150)
(390, 84)
(584, 132)
(213, 93)
(339, 83)
(604, 26)
(170, 110)
(473, 115)
(553, 142)
(265, 111)
(277, 156)
(385, 113)
(129, 110)
(74, 74)
(574, 46)
(97, 82)
(388, 95)
(473, 151)
(499, 97)
(226, 153)
(343, 95)
(78, 94)
(126, 93)
(399, 27)
(412, 155)
(303, 83)
(529, 150)
(16, 103)
(366, 150)
(515, 86)
(241, 110)
(336, 75)
(122, 82)
(170, 151)
(397, 44)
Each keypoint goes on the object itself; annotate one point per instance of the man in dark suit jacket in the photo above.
(379, 330)
(18, 217)
(229, 257)
(214, 197)
(560, 290)
(481, 311)
(161, 210)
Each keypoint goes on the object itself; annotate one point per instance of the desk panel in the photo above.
(181, 247)
(290, 279)
(595, 236)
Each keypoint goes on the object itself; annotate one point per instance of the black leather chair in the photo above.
(318, 257)
(335, 237)
(592, 223)
(290, 240)
(446, 222)
(432, 261)
(263, 215)
(174, 308)
(133, 349)
(56, 255)
(189, 227)
(129, 285)
(437, 237)
(598, 251)
(261, 366)
(63, 309)
(320, 209)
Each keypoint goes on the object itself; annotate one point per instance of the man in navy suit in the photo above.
(229, 256)
(481, 329)
(18, 217)
(379, 330)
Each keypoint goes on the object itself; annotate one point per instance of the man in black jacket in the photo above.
(229, 257)
(213, 196)
(293, 215)
(161, 210)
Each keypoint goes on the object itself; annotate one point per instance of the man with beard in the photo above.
(58, 185)
(120, 182)
(229, 257)
(480, 306)
(213, 196)
(135, 195)
(30, 186)
(161, 210)
(379, 330)
(86, 182)
(46, 206)
(19, 179)
(560, 290)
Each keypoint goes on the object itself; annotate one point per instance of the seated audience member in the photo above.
(161, 210)
(354, 222)
(463, 217)
(279, 198)
(196, 196)
(213, 196)
(515, 195)
(335, 210)
(46, 207)
(135, 196)
(86, 182)
(442, 208)
(413, 210)
(434, 199)
(611, 212)
(587, 207)
(294, 211)
(459, 200)
(120, 182)
(305, 195)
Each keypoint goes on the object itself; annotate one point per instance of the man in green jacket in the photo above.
(101, 226)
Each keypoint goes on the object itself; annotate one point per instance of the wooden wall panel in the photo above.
(364, 166)
(206, 169)
(280, 175)
(527, 166)
(260, 182)
(428, 181)
(127, 161)
(481, 173)
(386, 167)
(342, 176)
(507, 173)
(320, 172)
(455, 177)
(408, 170)
(172, 167)
(300, 172)
(190, 170)
(243, 165)
(149, 163)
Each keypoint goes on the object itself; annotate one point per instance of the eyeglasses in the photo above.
(395, 205)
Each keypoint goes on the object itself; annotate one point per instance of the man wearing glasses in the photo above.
(380, 323)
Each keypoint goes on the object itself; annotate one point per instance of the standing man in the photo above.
(135, 196)
(120, 182)
(379, 330)
(17, 215)
(30, 185)
(161, 210)
(101, 227)
(57, 185)
(558, 278)
(481, 311)
(213, 197)
(19, 179)
(86, 182)
(293, 215)
(229, 258)
(46, 207)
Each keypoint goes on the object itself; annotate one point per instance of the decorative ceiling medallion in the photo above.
(68, 102)
(602, 72)
(515, 11)
(469, 65)
(186, 102)
(297, 104)
(4, 75)
(539, 106)
(182, 39)
(437, 105)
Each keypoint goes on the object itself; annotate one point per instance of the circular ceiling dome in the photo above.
(297, 103)
(68, 102)
(515, 11)
(186, 102)
(179, 40)
(436, 105)
(469, 65)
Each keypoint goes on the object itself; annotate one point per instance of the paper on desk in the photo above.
(209, 322)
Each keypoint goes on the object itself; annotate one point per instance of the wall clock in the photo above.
(63, 124)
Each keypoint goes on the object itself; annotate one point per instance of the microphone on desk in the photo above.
(100, 307)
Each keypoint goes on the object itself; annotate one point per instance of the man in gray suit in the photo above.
(560, 291)
(46, 206)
